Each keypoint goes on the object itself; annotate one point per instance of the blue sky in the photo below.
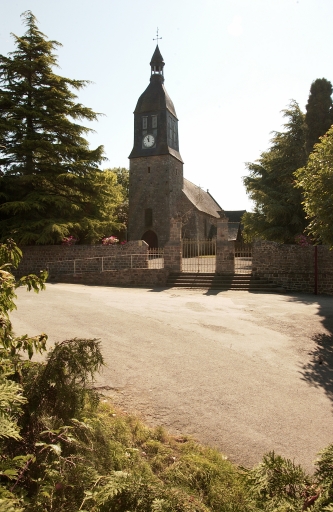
(231, 66)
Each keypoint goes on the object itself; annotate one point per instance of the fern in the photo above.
(10, 394)
(160, 505)
(8, 427)
(106, 488)
(10, 401)
(10, 505)
(279, 484)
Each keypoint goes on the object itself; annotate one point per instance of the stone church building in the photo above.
(158, 190)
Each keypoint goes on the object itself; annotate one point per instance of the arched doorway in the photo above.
(150, 238)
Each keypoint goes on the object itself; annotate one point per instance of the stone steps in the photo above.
(220, 282)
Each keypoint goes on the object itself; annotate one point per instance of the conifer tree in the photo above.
(50, 184)
(278, 213)
(319, 112)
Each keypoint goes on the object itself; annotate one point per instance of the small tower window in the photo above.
(154, 121)
(144, 123)
(148, 217)
(148, 170)
(170, 128)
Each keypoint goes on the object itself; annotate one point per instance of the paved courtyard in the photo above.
(245, 372)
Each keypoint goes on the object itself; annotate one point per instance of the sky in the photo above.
(231, 67)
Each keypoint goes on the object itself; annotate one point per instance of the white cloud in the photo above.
(235, 28)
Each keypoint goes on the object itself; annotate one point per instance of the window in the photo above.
(154, 121)
(148, 170)
(170, 128)
(148, 217)
(144, 123)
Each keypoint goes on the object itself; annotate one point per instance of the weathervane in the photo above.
(157, 38)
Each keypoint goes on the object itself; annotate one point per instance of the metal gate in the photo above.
(156, 258)
(198, 255)
(243, 258)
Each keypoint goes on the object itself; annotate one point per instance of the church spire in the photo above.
(157, 64)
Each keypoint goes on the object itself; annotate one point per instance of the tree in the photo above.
(122, 176)
(319, 112)
(51, 184)
(278, 213)
(316, 182)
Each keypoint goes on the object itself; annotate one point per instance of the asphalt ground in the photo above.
(245, 372)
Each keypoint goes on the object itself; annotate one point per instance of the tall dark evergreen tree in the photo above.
(50, 185)
(319, 112)
(278, 213)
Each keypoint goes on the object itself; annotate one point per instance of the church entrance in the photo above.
(150, 238)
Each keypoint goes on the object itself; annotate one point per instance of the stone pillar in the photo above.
(225, 254)
(173, 248)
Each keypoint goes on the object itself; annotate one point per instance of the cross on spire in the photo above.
(157, 38)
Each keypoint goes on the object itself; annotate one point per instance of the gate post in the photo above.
(225, 257)
(173, 249)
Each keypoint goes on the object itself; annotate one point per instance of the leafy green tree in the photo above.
(122, 176)
(109, 201)
(278, 213)
(316, 182)
(319, 112)
(51, 185)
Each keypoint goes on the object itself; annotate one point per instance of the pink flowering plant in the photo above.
(110, 240)
(69, 240)
(303, 240)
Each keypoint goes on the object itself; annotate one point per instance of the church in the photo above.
(158, 190)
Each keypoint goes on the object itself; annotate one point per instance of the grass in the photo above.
(163, 472)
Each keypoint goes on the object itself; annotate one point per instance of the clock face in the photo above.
(148, 141)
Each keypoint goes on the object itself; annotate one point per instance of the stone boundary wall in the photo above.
(59, 259)
(293, 266)
(289, 266)
(130, 277)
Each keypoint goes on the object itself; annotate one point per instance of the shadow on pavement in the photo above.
(154, 290)
(325, 305)
(319, 370)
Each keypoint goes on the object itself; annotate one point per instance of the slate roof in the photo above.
(157, 58)
(233, 230)
(202, 200)
(234, 215)
(154, 98)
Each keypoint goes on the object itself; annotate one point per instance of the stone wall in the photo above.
(293, 266)
(61, 259)
(130, 277)
(172, 250)
(225, 254)
(290, 266)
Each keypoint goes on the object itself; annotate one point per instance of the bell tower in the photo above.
(156, 167)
